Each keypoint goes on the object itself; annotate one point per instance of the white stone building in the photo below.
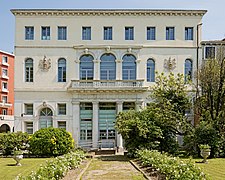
(76, 69)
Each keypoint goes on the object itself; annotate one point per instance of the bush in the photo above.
(51, 142)
(58, 167)
(204, 133)
(171, 167)
(10, 141)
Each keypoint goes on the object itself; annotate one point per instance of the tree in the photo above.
(210, 104)
(157, 126)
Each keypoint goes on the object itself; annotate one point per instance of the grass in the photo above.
(215, 168)
(8, 170)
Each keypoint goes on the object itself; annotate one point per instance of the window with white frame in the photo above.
(86, 33)
(29, 33)
(108, 67)
(4, 99)
(29, 127)
(29, 109)
(62, 33)
(107, 33)
(4, 86)
(45, 33)
(150, 33)
(4, 73)
(188, 70)
(170, 33)
(4, 112)
(61, 108)
(129, 67)
(61, 70)
(86, 67)
(4, 60)
(150, 70)
(129, 33)
(62, 124)
(210, 52)
(29, 70)
(189, 33)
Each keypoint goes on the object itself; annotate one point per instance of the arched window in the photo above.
(46, 118)
(86, 67)
(188, 70)
(150, 70)
(108, 67)
(129, 67)
(61, 70)
(29, 70)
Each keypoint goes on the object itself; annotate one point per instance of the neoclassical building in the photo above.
(78, 68)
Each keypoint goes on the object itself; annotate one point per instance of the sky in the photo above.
(213, 22)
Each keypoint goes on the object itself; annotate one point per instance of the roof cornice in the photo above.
(9, 54)
(106, 12)
(213, 42)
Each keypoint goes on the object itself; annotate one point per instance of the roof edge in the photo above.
(4, 52)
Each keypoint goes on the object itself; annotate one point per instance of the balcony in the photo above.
(4, 104)
(107, 86)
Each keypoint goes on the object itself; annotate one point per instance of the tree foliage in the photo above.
(157, 126)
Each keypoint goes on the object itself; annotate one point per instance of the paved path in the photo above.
(113, 167)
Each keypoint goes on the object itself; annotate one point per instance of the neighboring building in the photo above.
(76, 69)
(214, 49)
(7, 92)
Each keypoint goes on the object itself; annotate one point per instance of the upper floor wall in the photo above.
(164, 28)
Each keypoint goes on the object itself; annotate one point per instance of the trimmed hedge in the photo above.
(10, 141)
(56, 168)
(51, 142)
(171, 167)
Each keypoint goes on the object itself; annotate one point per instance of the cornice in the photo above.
(213, 42)
(106, 12)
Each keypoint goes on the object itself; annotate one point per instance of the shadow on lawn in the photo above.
(113, 158)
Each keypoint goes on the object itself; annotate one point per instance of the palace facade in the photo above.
(78, 68)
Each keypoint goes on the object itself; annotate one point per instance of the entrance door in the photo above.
(107, 117)
(4, 128)
(45, 119)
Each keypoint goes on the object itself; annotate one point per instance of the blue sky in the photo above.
(213, 21)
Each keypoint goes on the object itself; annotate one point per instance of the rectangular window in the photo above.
(210, 52)
(29, 127)
(29, 33)
(4, 99)
(62, 33)
(150, 33)
(4, 112)
(188, 33)
(28, 109)
(45, 33)
(170, 33)
(4, 73)
(107, 33)
(4, 86)
(4, 60)
(62, 124)
(61, 109)
(129, 33)
(86, 33)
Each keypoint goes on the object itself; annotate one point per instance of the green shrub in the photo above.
(51, 142)
(171, 167)
(58, 167)
(10, 141)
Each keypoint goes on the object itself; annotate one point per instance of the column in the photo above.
(96, 69)
(95, 124)
(76, 122)
(119, 69)
(138, 105)
(77, 69)
(138, 76)
(119, 137)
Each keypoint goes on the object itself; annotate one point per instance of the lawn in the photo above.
(215, 168)
(8, 170)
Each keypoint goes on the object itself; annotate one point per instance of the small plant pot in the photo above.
(18, 158)
(205, 153)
